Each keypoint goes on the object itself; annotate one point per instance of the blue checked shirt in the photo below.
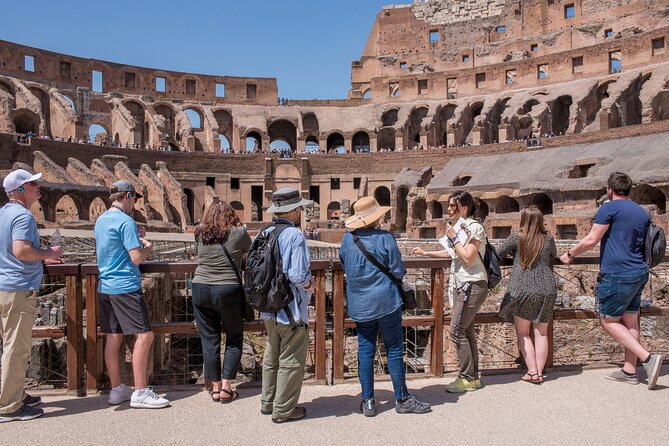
(295, 257)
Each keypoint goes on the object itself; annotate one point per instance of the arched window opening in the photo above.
(419, 210)
(401, 208)
(225, 144)
(361, 142)
(436, 209)
(253, 142)
(70, 101)
(312, 145)
(482, 210)
(194, 117)
(646, 195)
(334, 210)
(382, 195)
(97, 134)
(389, 117)
(543, 202)
(506, 204)
(335, 143)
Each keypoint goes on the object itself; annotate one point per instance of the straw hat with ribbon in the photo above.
(367, 211)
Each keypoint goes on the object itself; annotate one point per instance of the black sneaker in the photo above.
(25, 413)
(368, 407)
(32, 401)
(412, 405)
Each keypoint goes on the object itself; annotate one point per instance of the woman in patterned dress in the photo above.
(531, 293)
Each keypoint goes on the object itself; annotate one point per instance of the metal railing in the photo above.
(329, 323)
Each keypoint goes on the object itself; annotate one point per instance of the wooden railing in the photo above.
(85, 365)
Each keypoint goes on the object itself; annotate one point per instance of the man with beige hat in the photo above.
(374, 301)
(287, 329)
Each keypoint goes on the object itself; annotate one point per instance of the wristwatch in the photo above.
(569, 254)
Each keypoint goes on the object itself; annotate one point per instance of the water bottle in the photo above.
(56, 238)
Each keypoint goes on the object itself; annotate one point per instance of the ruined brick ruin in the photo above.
(519, 102)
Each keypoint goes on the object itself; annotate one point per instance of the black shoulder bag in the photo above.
(408, 294)
(248, 313)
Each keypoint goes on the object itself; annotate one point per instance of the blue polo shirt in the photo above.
(17, 223)
(115, 235)
(621, 248)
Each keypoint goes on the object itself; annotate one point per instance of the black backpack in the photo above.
(491, 264)
(266, 286)
(654, 245)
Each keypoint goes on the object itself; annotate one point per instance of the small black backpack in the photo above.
(491, 264)
(266, 286)
(655, 245)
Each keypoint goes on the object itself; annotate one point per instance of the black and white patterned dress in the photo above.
(531, 292)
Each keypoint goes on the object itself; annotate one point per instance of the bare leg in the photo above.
(541, 346)
(140, 358)
(525, 343)
(112, 349)
(626, 333)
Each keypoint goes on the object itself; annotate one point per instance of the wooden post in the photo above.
(338, 326)
(93, 348)
(550, 336)
(320, 353)
(74, 332)
(437, 347)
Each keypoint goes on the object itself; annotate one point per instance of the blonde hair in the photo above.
(532, 236)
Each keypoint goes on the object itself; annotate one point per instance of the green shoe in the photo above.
(462, 385)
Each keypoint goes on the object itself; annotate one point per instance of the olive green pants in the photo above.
(283, 367)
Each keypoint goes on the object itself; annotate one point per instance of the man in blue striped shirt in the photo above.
(287, 331)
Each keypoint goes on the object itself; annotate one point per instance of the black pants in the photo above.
(216, 307)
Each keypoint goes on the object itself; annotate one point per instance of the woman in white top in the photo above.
(467, 287)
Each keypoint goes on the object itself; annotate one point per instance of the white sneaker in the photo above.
(147, 399)
(120, 394)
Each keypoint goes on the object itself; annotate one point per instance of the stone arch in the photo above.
(25, 121)
(284, 130)
(506, 204)
(67, 209)
(70, 101)
(491, 135)
(560, 114)
(382, 195)
(386, 139)
(482, 209)
(44, 99)
(190, 203)
(415, 125)
(419, 210)
(360, 142)
(225, 128)
(469, 120)
(334, 210)
(528, 106)
(543, 202)
(389, 117)
(645, 194)
(436, 210)
(446, 113)
(310, 126)
(287, 172)
(97, 133)
(138, 113)
(253, 140)
(628, 108)
(169, 125)
(7, 88)
(401, 208)
(195, 117)
(367, 94)
(311, 145)
(239, 209)
(335, 141)
(97, 208)
(660, 106)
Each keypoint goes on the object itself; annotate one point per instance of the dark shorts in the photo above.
(123, 313)
(619, 293)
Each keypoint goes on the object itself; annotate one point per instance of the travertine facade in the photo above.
(466, 81)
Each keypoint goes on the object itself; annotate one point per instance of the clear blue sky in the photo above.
(307, 45)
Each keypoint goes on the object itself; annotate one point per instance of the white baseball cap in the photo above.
(18, 178)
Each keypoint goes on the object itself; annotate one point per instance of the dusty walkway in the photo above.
(578, 407)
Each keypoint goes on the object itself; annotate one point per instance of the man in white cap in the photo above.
(287, 329)
(20, 277)
(121, 307)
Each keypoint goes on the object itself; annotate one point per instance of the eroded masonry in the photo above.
(518, 102)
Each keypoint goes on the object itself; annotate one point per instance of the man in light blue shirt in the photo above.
(288, 340)
(20, 277)
(120, 248)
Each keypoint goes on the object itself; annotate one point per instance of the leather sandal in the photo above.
(535, 378)
(215, 395)
(232, 395)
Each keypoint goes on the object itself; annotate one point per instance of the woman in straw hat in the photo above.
(375, 303)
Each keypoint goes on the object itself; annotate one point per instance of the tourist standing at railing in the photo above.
(218, 298)
(531, 293)
(375, 304)
(467, 287)
(288, 340)
(20, 277)
(120, 248)
(621, 226)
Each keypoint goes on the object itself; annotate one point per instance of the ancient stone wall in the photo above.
(445, 12)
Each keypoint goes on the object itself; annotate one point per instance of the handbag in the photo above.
(407, 292)
(248, 313)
